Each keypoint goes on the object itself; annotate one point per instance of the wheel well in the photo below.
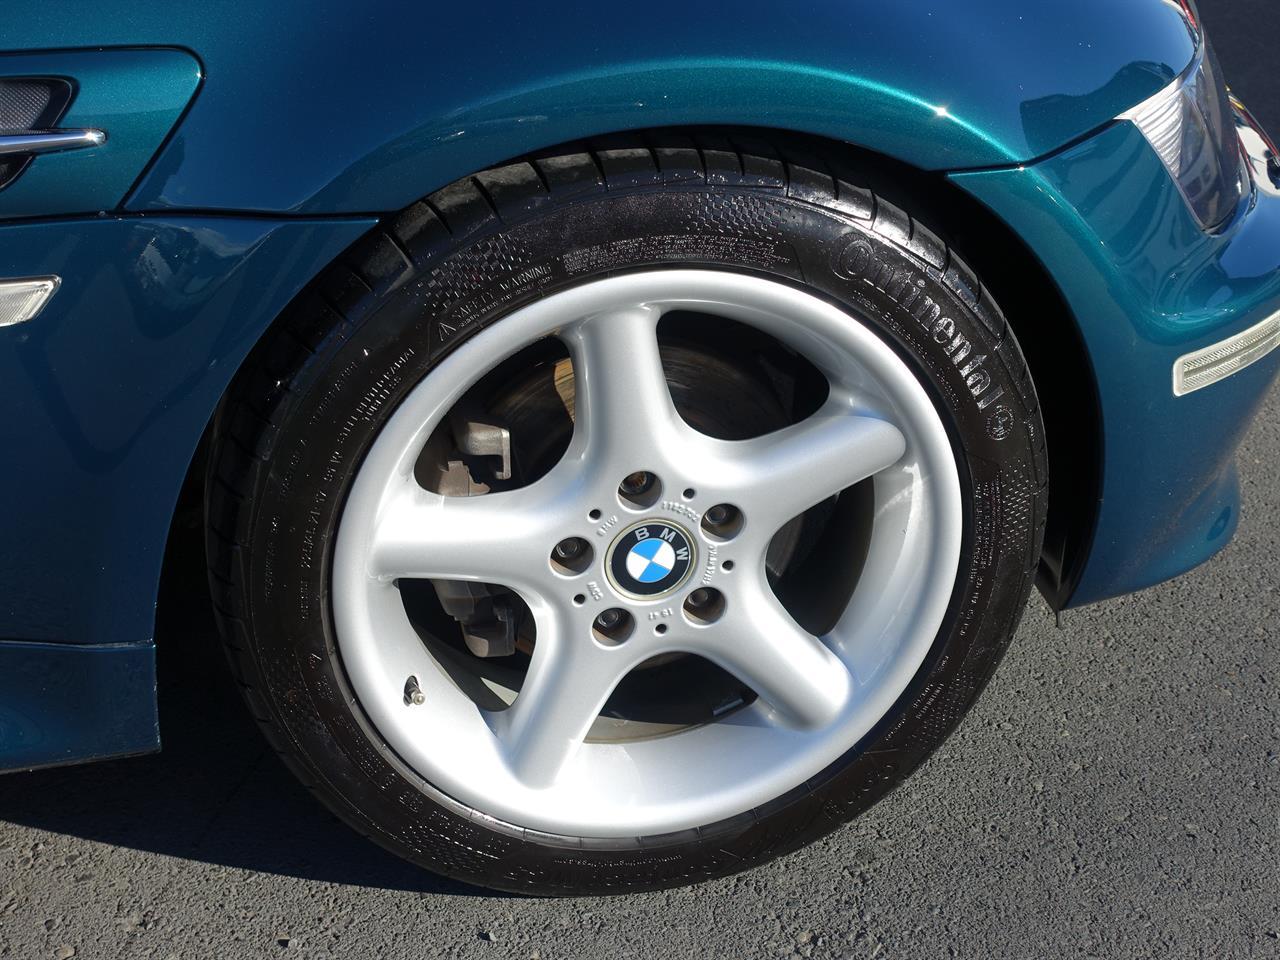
(1020, 284)
(1055, 352)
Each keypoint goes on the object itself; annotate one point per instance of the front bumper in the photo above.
(1147, 287)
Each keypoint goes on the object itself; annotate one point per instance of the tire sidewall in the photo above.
(339, 397)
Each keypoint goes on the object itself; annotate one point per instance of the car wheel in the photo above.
(620, 519)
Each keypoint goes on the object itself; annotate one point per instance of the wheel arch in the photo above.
(1027, 293)
(364, 116)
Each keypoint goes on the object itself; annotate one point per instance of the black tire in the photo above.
(311, 397)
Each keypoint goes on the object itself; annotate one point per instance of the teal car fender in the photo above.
(322, 107)
(1147, 286)
(133, 98)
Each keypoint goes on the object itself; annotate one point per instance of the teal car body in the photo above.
(247, 146)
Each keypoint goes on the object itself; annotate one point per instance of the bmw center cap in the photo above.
(651, 558)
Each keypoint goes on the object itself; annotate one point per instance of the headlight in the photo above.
(1191, 126)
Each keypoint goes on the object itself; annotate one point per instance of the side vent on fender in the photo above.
(29, 109)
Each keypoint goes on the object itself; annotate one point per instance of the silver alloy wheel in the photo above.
(817, 696)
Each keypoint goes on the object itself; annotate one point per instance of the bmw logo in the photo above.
(650, 558)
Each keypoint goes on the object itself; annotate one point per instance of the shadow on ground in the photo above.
(216, 793)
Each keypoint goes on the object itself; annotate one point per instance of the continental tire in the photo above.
(821, 349)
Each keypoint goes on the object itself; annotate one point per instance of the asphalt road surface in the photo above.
(1116, 793)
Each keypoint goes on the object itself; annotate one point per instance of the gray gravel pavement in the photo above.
(1116, 793)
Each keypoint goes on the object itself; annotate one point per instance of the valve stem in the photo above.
(413, 695)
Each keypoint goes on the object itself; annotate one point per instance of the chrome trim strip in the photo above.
(23, 299)
(1202, 368)
(49, 141)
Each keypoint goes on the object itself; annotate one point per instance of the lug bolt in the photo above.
(613, 627)
(568, 549)
(413, 693)
(637, 483)
(722, 521)
(571, 556)
(704, 606)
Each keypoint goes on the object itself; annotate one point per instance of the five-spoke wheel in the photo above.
(649, 538)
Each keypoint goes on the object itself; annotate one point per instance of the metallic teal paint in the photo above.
(63, 704)
(134, 96)
(1146, 285)
(324, 106)
(105, 396)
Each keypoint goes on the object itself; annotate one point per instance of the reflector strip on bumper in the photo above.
(1193, 371)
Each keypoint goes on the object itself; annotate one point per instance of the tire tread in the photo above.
(259, 399)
